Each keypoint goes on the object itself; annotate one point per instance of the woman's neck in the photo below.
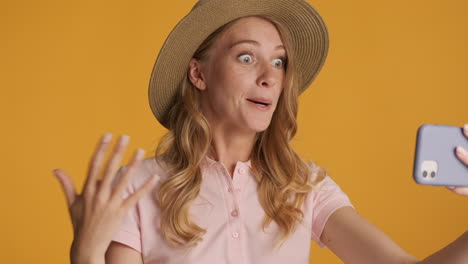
(230, 148)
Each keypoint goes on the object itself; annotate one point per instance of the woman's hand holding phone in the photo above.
(98, 211)
(462, 155)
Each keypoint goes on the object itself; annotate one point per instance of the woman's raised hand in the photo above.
(462, 154)
(97, 212)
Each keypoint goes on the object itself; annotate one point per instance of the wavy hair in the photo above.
(283, 177)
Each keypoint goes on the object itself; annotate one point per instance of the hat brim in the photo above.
(305, 26)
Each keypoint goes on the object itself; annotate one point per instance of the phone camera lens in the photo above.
(424, 174)
(433, 174)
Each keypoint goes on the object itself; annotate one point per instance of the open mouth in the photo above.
(260, 103)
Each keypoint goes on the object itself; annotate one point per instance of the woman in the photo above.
(228, 186)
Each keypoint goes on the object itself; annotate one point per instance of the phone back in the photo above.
(435, 160)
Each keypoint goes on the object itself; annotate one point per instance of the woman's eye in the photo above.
(246, 58)
(278, 63)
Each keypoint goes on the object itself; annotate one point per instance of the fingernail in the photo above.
(139, 153)
(124, 139)
(107, 137)
(461, 151)
(54, 171)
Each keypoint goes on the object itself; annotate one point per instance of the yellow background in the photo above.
(74, 70)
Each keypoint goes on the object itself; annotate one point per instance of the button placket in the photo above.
(241, 171)
(234, 192)
(233, 197)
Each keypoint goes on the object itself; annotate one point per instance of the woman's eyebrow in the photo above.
(253, 42)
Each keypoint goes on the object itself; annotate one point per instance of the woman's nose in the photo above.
(268, 75)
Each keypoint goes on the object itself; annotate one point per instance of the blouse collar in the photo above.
(211, 161)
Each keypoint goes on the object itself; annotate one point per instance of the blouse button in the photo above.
(235, 235)
(241, 170)
(234, 213)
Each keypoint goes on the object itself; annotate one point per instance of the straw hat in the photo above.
(305, 26)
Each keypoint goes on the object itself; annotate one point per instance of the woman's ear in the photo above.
(195, 75)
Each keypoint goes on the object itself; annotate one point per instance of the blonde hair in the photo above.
(284, 178)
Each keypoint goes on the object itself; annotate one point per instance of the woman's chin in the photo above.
(259, 126)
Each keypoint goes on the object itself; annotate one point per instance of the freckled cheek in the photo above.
(236, 74)
(235, 82)
(224, 95)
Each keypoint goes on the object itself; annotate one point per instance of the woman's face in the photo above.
(244, 65)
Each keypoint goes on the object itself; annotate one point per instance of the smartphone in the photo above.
(435, 161)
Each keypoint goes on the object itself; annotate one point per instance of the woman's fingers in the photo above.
(459, 190)
(462, 154)
(127, 174)
(67, 186)
(95, 165)
(147, 186)
(113, 164)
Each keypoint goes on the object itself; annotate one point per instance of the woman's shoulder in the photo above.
(318, 174)
(322, 181)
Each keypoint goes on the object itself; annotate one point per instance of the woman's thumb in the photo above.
(67, 186)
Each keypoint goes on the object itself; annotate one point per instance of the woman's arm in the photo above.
(455, 253)
(355, 240)
(118, 253)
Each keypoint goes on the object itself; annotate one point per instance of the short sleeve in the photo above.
(129, 231)
(327, 197)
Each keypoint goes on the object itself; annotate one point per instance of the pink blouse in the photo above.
(229, 209)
